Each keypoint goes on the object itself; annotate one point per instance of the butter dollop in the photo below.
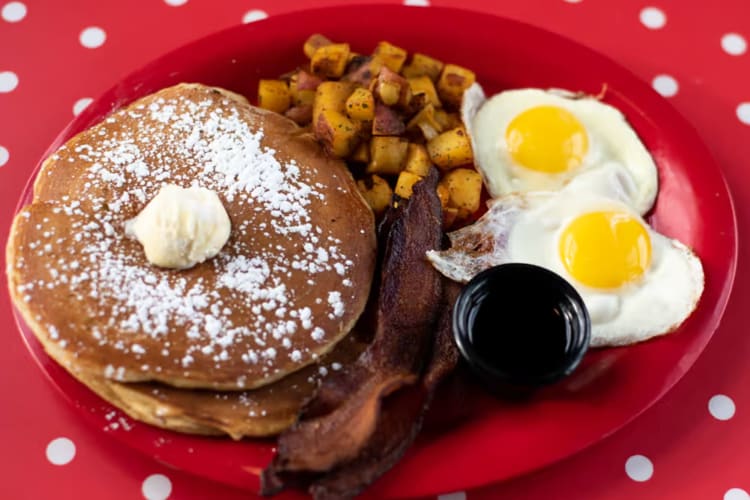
(181, 227)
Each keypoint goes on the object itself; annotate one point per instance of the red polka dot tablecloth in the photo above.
(693, 444)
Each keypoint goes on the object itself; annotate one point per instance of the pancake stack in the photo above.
(235, 344)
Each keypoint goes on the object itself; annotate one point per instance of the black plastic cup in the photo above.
(520, 327)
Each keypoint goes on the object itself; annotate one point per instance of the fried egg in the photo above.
(635, 282)
(538, 140)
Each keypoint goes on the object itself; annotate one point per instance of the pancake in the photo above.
(261, 412)
(288, 285)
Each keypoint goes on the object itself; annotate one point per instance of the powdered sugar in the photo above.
(218, 150)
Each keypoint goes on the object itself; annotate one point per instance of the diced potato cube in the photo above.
(338, 133)
(315, 42)
(393, 57)
(444, 195)
(405, 183)
(362, 153)
(306, 81)
(330, 60)
(447, 120)
(454, 80)
(387, 122)
(376, 191)
(450, 149)
(364, 72)
(361, 105)
(422, 65)
(331, 95)
(302, 86)
(464, 188)
(302, 97)
(301, 114)
(423, 85)
(388, 92)
(417, 160)
(391, 88)
(425, 121)
(274, 95)
(387, 155)
(450, 215)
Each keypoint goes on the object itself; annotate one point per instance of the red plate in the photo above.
(497, 440)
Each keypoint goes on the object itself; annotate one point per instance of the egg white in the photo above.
(526, 227)
(610, 138)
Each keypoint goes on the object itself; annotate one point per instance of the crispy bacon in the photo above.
(360, 422)
(400, 418)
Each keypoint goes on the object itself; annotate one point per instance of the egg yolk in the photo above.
(547, 139)
(605, 249)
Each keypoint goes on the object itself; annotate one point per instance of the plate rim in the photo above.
(87, 118)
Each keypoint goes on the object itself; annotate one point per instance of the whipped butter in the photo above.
(181, 227)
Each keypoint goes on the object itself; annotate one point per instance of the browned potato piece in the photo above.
(417, 160)
(376, 191)
(362, 153)
(425, 121)
(450, 149)
(364, 72)
(361, 105)
(422, 65)
(387, 122)
(307, 81)
(330, 60)
(450, 215)
(447, 120)
(454, 80)
(423, 85)
(443, 194)
(338, 133)
(331, 95)
(391, 88)
(387, 155)
(302, 85)
(301, 114)
(315, 42)
(393, 57)
(274, 95)
(405, 183)
(464, 189)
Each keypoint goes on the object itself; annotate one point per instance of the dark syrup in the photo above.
(521, 325)
(522, 332)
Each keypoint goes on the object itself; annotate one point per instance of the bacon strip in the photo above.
(400, 419)
(342, 419)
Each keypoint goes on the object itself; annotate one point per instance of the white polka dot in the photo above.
(734, 44)
(459, 495)
(81, 104)
(175, 3)
(156, 487)
(254, 15)
(639, 468)
(14, 12)
(736, 494)
(417, 3)
(665, 85)
(61, 451)
(721, 407)
(92, 37)
(574, 1)
(653, 18)
(743, 113)
(4, 156)
(8, 81)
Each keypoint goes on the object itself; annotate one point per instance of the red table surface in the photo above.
(694, 454)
